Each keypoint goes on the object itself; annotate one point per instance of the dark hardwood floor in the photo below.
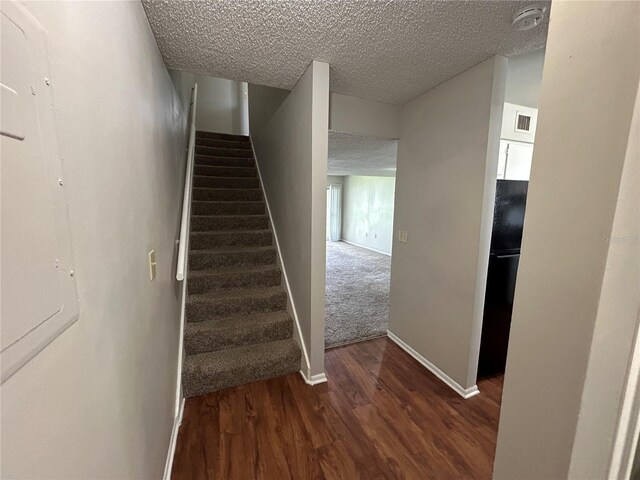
(381, 415)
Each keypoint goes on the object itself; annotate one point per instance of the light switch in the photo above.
(402, 236)
(152, 264)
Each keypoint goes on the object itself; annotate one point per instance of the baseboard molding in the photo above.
(172, 442)
(455, 386)
(366, 248)
(313, 379)
(294, 312)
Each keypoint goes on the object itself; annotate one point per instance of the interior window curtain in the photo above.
(336, 213)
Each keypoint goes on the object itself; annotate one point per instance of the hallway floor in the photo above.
(381, 415)
(357, 294)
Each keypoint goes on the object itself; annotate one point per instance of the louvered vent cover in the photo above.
(523, 123)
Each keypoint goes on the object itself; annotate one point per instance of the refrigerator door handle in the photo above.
(508, 256)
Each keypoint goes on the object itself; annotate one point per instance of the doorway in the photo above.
(360, 202)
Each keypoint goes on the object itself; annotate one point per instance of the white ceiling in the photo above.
(351, 154)
(390, 51)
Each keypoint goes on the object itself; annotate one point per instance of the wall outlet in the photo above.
(403, 236)
(152, 265)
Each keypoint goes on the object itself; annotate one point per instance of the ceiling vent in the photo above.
(528, 17)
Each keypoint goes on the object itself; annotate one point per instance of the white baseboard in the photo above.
(172, 442)
(293, 312)
(313, 379)
(366, 248)
(455, 386)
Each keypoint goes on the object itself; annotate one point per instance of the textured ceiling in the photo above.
(385, 50)
(351, 154)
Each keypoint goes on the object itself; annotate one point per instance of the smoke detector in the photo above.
(528, 17)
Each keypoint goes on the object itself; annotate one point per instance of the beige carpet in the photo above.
(357, 294)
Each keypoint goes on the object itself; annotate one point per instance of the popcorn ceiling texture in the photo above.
(389, 51)
(351, 154)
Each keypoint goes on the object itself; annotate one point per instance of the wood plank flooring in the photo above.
(381, 416)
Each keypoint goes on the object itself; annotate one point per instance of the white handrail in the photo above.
(186, 201)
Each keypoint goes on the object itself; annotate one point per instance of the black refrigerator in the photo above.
(506, 237)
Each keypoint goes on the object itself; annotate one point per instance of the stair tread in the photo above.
(235, 248)
(226, 157)
(238, 356)
(223, 232)
(228, 322)
(250, 215)
(211, 371)
(232, 293)
(233, 269)
(227, 202)
(225, 188)
(225, 177)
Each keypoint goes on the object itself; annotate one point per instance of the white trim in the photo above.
(366, 248)
(628, 428)
(313, 379)
(463, 392)
(294, 312)
(173, 442)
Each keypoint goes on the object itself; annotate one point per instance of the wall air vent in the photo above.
(523, 123)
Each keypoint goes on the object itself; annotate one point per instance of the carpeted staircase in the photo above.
(238, 329)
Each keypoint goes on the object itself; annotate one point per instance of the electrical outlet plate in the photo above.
(402, 236)
(152, 264)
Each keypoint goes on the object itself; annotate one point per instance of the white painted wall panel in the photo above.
(445, 190)
(98, 401)
(368, 212)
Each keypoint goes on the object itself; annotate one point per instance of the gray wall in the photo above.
(524, 75)
(445, 189)
(98, 402)
(558, 337)
(222, 103)
(291, 151)
(356, 115)
(367, 212)
(263, 103)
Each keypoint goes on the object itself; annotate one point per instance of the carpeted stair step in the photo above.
(227, 194)
(224, 152)
(227, 208)
(209, 372)
(222, 136)
(225, 182)
(216, 142)
(215, 171)
(205, 281)
(230, 238)
(224, 161)
(222, 333)
(204, 306)
(209, 223)
(229, 256)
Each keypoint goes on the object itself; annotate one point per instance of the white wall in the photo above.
(222, 103)
(336, 179)
(524, 75)
(367, 212)
(616, 324)
(98, 402)
(445, 189)
(356, 115)
(264, 102)
(567, 325)
(291, 151)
